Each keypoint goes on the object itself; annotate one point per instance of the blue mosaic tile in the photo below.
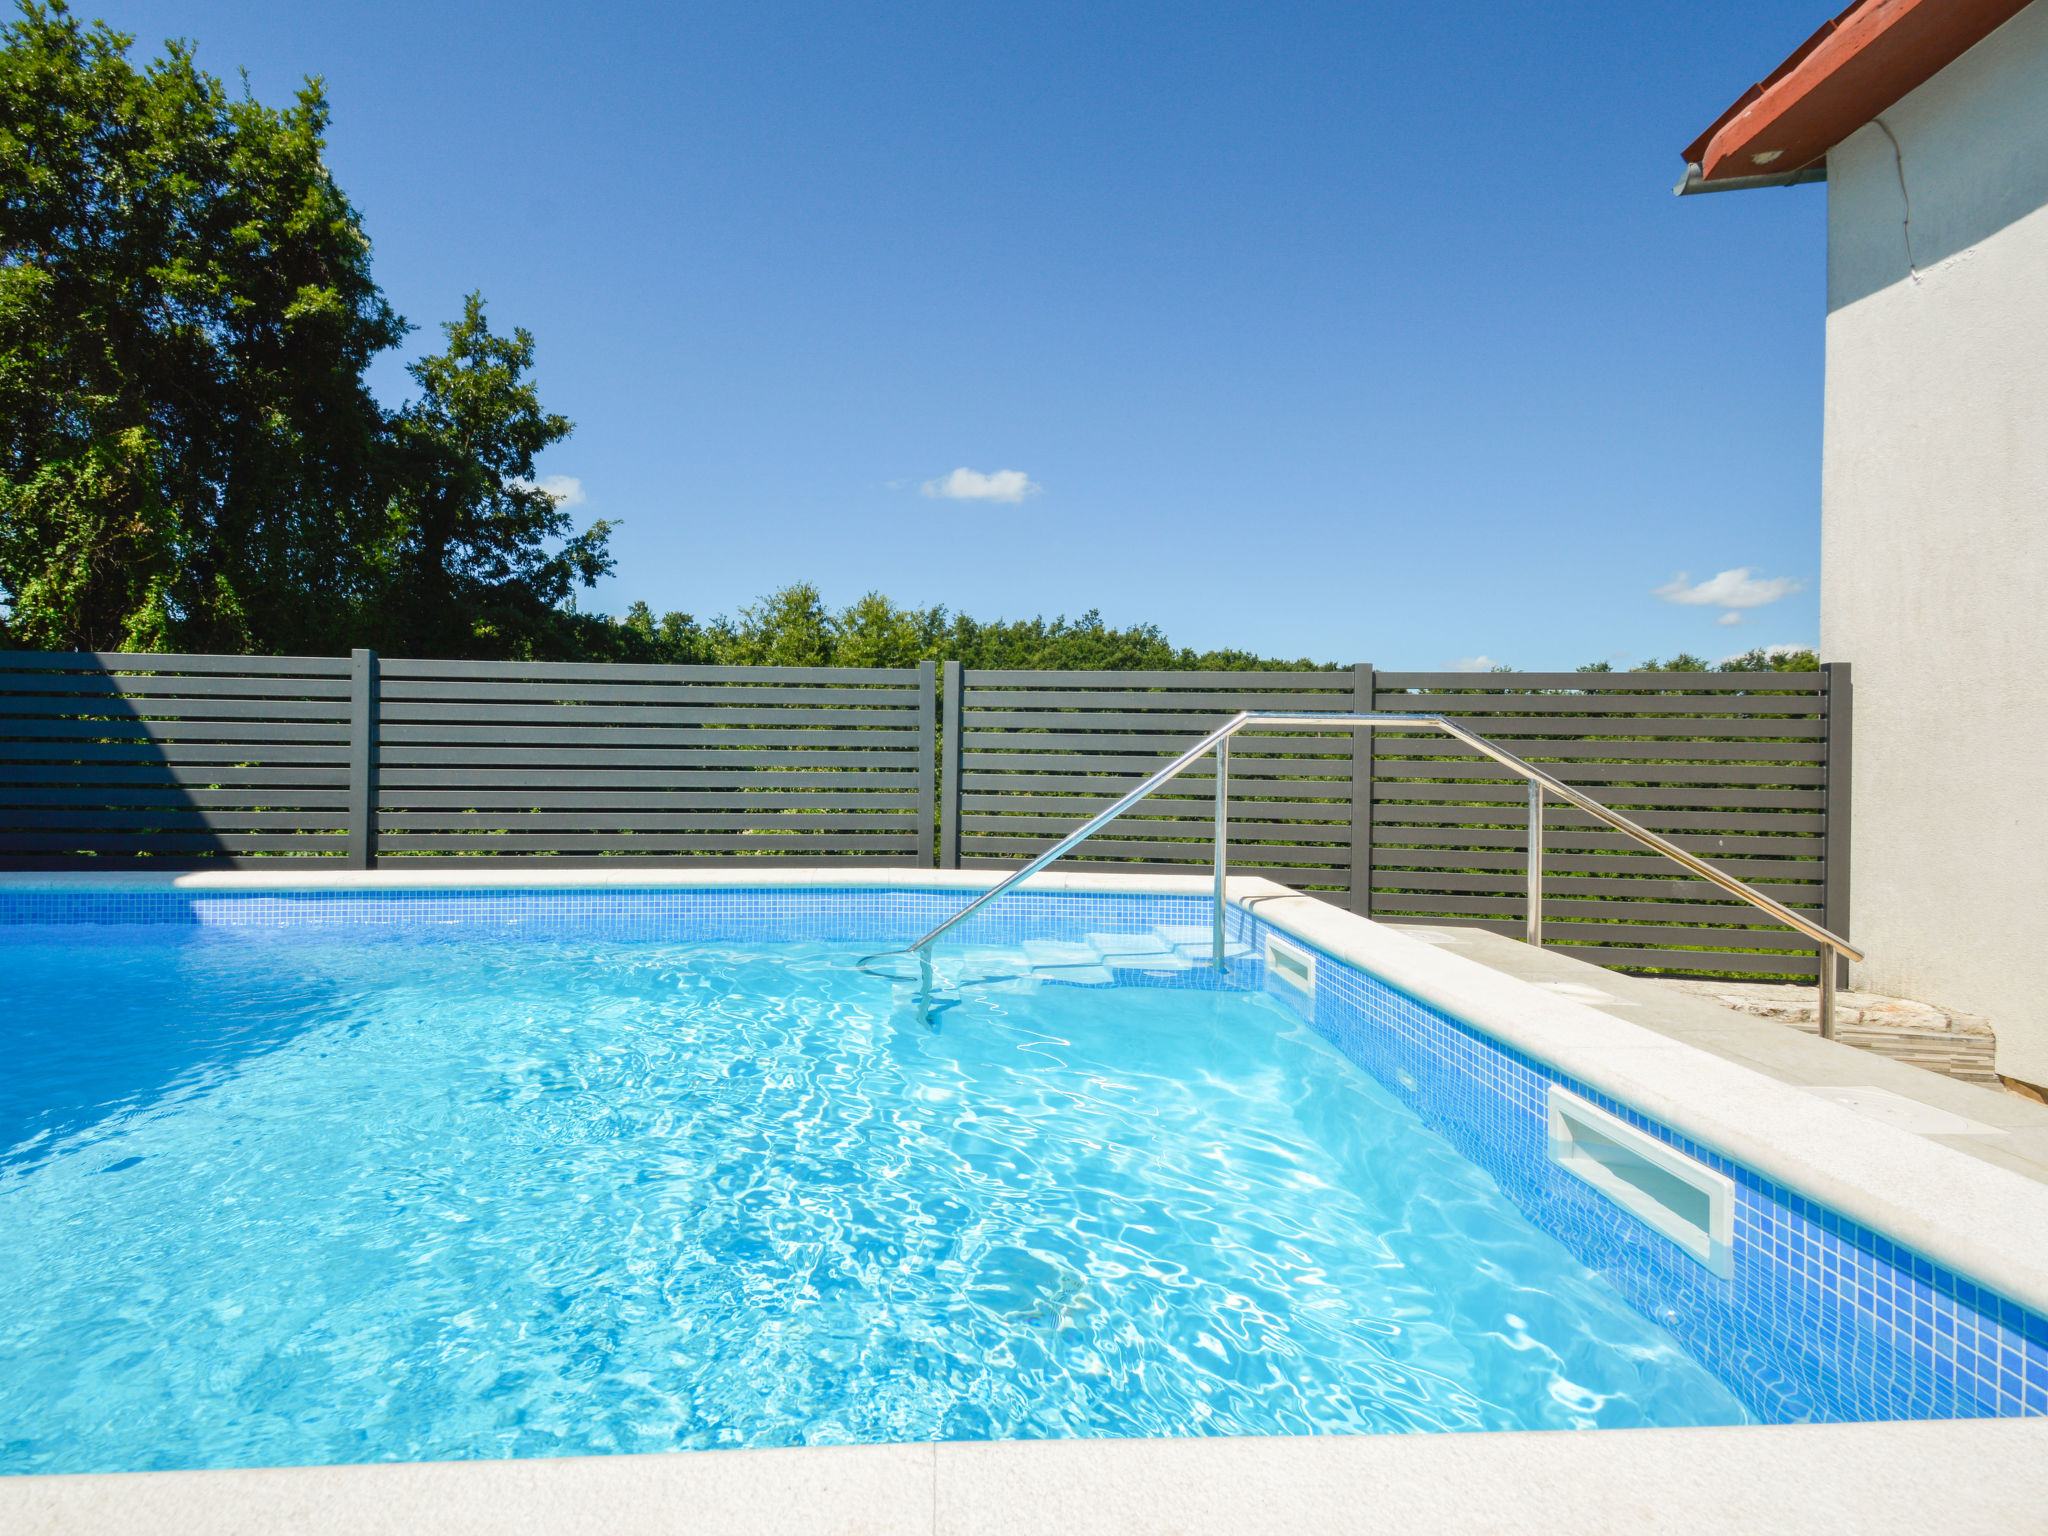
(1821, 1319)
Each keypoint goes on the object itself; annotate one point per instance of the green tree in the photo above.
(475, 569)
(187, 450)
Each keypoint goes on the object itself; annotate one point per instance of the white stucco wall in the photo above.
(1934, 556)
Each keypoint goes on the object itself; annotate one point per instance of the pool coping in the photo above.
(1985, 1222)
(1972, 1477)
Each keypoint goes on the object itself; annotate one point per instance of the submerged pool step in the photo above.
(1097, 959)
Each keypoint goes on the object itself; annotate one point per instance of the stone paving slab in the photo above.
(1955, 1044)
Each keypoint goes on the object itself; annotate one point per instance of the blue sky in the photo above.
(1366, 332)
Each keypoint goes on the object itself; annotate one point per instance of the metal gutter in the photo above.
(1694, 181)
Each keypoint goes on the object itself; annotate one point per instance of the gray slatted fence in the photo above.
(179, 759)
(563, 761)
(223, 760)
(197, 760)
(1735, 767)
(1038, 753)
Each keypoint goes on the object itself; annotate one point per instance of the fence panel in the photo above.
(1731, 766)
(185, 761)
(611, 763)
(107, 759)
(1041, 752)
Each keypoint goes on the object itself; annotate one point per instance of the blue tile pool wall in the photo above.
(1822, 1320)
(882, 915)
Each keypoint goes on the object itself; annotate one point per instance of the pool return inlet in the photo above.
(1832, 945)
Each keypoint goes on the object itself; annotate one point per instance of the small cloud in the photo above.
(1730, 617)
(1739, 588)
(972, 485)
(567, 490)
(1471, 664)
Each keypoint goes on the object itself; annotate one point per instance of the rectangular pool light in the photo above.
(1677, 1195)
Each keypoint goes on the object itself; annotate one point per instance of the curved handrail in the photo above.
(1541, 783)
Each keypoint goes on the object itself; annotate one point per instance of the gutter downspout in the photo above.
(1695, 182)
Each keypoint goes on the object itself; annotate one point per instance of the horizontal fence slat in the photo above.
(58, 733)
(1650, 797)
(175, 818)
(1477, 707)
(26, 716)
(157, 662)
(1598, 728)
(485, 736)
(1109, 849)
(584, 717)
(1306, 878)
(395, 823)
(1400, 776)
(1155, 808)
(765, 800)
(161, 842)
(1678, 886)
(1461, 684)
(1244, 682)
(1563, 902)
(416, 717)
(716, 695)
(654, 842)
(771, 776)
(1127, 720)
(117, 778)
(172, 753)
(1771, 823)
(1413, 750)
(406, 670)
(138, 796)
(983, 700)
(76, 689)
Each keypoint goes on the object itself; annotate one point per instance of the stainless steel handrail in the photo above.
(1831, 944)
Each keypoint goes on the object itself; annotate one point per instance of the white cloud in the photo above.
(972, 485)
(566, 489)
(1471, 664)
(1730, 617)
(1739, 588)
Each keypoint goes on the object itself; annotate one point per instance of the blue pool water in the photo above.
(275, 1196)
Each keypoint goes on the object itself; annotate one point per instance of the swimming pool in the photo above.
(331, 1176)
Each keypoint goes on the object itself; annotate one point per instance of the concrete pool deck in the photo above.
(1975, 1200)
(1958, 1477)
(1764, 1045)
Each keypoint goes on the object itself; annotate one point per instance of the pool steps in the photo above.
(1095, 959)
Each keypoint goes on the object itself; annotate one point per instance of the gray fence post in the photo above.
(949, 768)
(927, 760)
(1363, 682)
(362, 760)
(1838, 708)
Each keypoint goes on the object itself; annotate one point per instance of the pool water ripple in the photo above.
(302, 1198)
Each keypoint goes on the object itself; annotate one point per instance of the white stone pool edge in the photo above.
(1980, 1220)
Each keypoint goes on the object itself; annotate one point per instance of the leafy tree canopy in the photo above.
(189, 456)
(1762, 659)
(795, 627)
